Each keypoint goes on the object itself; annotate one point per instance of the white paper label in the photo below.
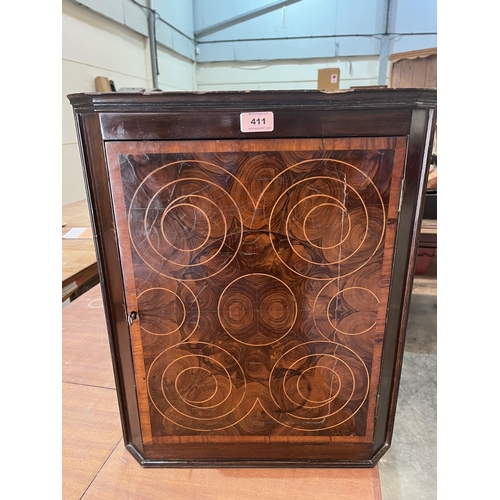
(333, 78)
(257, 122)
(75, 232)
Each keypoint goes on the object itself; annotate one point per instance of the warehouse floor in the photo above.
(408, 471)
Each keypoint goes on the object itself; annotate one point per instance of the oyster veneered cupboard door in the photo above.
(256, 284)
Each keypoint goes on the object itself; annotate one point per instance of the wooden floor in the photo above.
(96, 464)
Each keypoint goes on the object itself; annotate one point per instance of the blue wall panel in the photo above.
(311, 28)
(265, 50)
(415, 16)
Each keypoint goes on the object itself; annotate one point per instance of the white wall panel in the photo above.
(112, 9)
(176, 72)
(91, 39)
(283, 75)
(93, 45)
(344, 84)
(73, 186)
(177, 13)
(123, 12)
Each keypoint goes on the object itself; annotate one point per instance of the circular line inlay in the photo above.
(353, 310)
(196, 391)
(257, 309)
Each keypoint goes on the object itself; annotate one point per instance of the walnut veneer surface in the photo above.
(259, 278)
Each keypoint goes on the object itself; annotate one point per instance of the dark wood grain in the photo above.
(212, 124)
(260, 273)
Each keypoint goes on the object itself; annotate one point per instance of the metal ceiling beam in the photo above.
(243, 17)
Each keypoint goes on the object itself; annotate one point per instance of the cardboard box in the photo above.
(328, 78)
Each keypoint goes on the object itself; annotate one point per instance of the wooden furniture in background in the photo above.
(418, 68)
(96, 464)
(413, 69)
(79, 264)
(257, 273)
(428, 233)
(425, 282)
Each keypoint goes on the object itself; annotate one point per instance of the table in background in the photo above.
(426, 283)
(96, 464)
(428, 233)
(79, 264)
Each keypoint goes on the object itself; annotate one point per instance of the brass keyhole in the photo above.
(132, 317)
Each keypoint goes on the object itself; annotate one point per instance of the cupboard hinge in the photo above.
(401, 193)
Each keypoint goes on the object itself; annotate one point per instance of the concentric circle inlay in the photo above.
(257, 309)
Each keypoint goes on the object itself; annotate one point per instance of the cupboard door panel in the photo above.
(260, 273)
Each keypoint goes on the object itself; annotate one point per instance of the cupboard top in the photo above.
(356, 99)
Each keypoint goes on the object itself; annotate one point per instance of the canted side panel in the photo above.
(260, 271)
